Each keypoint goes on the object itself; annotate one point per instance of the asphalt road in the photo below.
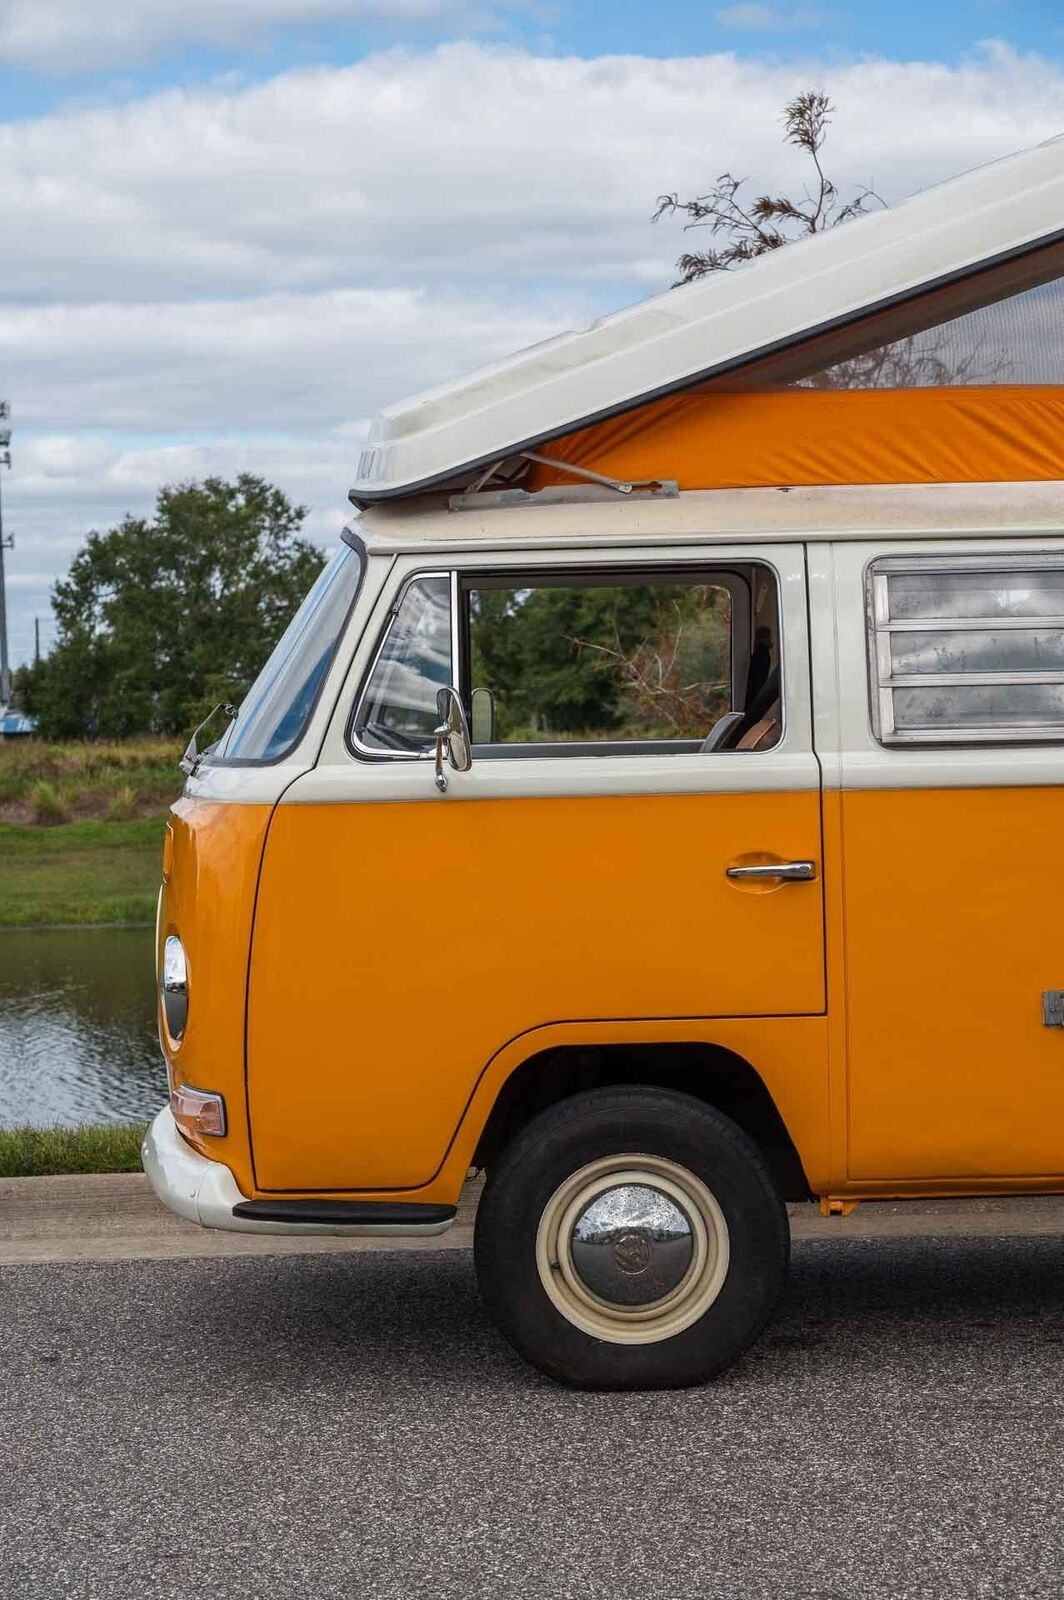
(309, 1427)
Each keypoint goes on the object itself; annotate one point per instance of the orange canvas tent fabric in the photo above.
(763, 438)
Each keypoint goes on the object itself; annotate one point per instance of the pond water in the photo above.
(77, 1026)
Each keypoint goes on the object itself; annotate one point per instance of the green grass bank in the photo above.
(79, 872)
(46, 1152)
(81, 828)
(49, 784)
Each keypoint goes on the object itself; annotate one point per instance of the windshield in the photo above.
(277, 707)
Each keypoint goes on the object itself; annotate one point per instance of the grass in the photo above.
(94, 1147)
(80, 872)
(81, 829)
(47, 805)
(50, 784)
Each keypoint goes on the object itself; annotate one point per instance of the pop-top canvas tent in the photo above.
(919, 344)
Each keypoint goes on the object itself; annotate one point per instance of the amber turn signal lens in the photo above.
(198, 1111)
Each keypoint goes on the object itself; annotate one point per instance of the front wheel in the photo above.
(631, 1238)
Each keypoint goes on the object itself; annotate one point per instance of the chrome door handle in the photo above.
(784, 871)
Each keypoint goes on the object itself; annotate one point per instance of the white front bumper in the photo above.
(201, 1190)
(206, 1192)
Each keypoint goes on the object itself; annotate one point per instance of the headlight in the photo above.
(174, 987)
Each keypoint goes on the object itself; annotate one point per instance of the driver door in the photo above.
(579, 870)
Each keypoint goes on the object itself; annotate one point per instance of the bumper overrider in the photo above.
(206, 1192)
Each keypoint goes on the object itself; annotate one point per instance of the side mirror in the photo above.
(452, 736)
(483, 716)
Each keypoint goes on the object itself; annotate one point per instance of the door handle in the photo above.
(782, 871)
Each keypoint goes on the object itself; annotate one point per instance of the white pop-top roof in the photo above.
(685, 334)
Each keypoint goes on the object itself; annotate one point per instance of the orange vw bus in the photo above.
(656, 803)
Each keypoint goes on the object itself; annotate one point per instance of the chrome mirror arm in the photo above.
(441, 745)
(453, 744)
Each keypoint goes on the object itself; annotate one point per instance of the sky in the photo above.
(232, 229)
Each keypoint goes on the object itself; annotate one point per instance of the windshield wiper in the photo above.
(193, 756)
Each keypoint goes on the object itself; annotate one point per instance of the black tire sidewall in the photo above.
(637, 1121)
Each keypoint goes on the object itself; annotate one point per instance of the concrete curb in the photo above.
(116, 1217)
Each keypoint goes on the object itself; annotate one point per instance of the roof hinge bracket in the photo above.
(620, 485)
(484, 478)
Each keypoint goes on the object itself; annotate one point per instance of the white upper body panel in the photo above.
(715, 324)
(597, 519)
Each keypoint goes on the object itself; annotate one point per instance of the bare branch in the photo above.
(770, 220)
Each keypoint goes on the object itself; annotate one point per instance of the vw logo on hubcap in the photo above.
(631, 1252)
(631, 1246)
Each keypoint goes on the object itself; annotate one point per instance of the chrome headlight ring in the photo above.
(173, 987)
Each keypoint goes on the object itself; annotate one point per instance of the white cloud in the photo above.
(276, 364)
(237, 278)
(279, 385)
(67, 485)
(76, 35)
(55, 469)
(464, 166)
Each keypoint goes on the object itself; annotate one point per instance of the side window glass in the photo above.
(622, 661)
(397, 711)
(967, 650)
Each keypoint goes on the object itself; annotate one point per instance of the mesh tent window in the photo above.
(1002, 325)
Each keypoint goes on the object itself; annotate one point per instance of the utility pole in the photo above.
(5, 544)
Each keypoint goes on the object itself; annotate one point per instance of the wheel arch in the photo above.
(709, 1072)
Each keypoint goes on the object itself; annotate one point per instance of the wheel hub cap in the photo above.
(632, 1245)
(632, 1248)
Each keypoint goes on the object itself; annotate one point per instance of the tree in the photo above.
(159, 619)
(529, 647)
(752, 228)
(676, 682)
(769, 221)
(636, 661)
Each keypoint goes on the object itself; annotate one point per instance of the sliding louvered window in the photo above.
(967, 649)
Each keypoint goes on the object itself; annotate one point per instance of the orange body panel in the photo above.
(402, 950)
(791, 1055)
(209, 900)
(952, 900)
(733, 440)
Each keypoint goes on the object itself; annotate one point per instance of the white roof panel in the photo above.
(685, 334)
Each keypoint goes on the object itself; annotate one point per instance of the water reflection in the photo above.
(77, 1026)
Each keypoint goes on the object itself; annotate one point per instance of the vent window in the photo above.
(967, 649)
